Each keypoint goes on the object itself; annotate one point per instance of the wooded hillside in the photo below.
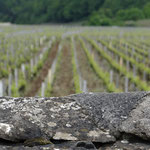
(92, 12)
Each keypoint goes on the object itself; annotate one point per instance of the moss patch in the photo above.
(37, 141)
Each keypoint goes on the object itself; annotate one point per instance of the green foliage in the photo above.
(130, 14)
(116, 5)
(75, 72)
(40, 64)
(22, 85)
(139, 66)
(3, 73)
(147, 10)
(14, 90)
(99, 12)
(48, 90)
(101, 74)
(142, 85)
(37, 68)
(96, 19)
(35, 11)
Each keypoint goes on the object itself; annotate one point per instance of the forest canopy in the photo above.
(91, 12)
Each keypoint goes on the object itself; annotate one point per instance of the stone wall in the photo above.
(76, 122)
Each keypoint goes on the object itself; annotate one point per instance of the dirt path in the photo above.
(63, 84)
(36, 84)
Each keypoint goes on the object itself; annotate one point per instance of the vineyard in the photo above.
(60, 60)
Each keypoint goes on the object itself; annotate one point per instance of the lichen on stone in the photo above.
(37, 141)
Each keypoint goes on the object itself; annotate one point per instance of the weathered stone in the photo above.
(83, 145)
(139, 121)
(52, 118)
(75, 122)
(126, 146)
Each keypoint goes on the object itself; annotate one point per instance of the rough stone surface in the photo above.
(76, 122)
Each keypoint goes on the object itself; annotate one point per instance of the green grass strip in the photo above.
(129, 50)
(101, 74)
(76, 78)
(141, 51)
(136, 80)
(136, 54)
(140, 66)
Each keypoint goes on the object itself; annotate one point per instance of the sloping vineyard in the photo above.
(57, 61)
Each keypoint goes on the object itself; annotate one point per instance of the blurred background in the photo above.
(80, 12)
(61, 47)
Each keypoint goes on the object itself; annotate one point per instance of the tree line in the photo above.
(91, 12)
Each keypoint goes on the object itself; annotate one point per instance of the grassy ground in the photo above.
(139, 23)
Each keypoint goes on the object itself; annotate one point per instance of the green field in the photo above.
(62, 60)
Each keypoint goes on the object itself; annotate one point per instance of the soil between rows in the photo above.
(63, 83)
(94, 83)
(36, 84)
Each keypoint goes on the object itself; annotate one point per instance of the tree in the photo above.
(99, 19)
(147, 10)
(130, 14)
(42, 11)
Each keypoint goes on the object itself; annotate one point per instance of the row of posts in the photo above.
(6, 84)
(126, 80)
